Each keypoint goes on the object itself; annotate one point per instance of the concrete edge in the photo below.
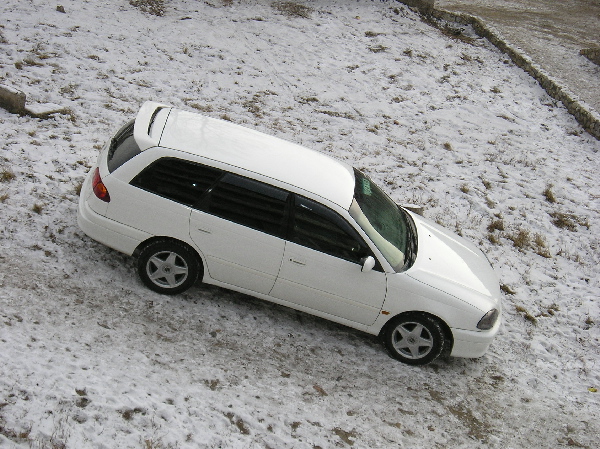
(583, 113)
(14, 101)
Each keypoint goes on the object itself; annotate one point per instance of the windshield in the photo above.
(388, 226)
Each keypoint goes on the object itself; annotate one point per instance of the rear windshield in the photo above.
(122, 147)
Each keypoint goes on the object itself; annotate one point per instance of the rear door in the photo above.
(322, 267)
(239, 226)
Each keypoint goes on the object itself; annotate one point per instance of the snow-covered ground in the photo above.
(89, 358)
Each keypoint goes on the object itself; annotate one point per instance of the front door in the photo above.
(321, 267)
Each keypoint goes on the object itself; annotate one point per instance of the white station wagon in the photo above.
(193, 198)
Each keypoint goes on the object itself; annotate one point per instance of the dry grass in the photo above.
(549, 195)
(507, 290)
(528, 316)
(568, 221)
(540, 246)
(496, 225)
(292, 9)
(378, 49)
(154, 7)
(521, 239)
(7, 175)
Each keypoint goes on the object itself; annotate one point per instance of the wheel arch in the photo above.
(445, 328)
(159, 238)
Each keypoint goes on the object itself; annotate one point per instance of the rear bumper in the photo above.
(106, 231)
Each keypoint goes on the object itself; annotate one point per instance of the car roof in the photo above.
(245, 148)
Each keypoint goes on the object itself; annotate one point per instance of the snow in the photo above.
(89, 358)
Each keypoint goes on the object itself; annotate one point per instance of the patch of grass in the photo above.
(38, 208)
(7, 175)
(238, 422)
(347, 437)
(154, 7)
(493, 238)
(496, 225)
(540, 246)
(548, 194)
(568, 221)
(292, 9)
(372, 34)
(78, 187)
(487, 184)
(448, 146)
(15, 436)
(528, 316)
(201, 107)
(378, 48)
(68, 90)
(521, 239)
(128, 413)
(507, 290)
(489, 203)
(346, 115)
(308, 100)
(464, 188)
(32, 62)
(457, 34)
(4, 197)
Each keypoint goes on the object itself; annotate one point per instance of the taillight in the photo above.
(99, 188)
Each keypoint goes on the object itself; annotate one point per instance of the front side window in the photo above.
(177, 179)
(318, 227)
(386, 224)
(248, 202)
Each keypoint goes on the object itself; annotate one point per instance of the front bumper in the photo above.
(473, 344)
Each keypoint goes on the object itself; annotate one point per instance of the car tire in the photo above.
(168, 267)
(415, 339)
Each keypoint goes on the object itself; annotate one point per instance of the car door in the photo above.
(238, 225)
(322, 269)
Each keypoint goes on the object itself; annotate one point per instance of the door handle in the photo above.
(206, 231)
(298, 262)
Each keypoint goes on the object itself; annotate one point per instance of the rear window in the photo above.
(177, 180)
(122, 147)
(248, 202)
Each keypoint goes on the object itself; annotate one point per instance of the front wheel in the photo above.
(168, 267)
(414, 339)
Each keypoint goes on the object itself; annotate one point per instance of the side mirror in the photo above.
(367, 264)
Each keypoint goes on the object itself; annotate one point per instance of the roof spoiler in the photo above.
(149, 124)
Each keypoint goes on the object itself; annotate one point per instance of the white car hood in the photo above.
(450, 263)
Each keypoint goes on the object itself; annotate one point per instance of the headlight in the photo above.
(488, 320)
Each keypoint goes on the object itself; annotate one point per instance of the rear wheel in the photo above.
(414, 339)
(168, 267)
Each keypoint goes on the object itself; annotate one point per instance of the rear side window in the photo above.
(122, 147)
(249, 203)
(177, 180)
(318, 227)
